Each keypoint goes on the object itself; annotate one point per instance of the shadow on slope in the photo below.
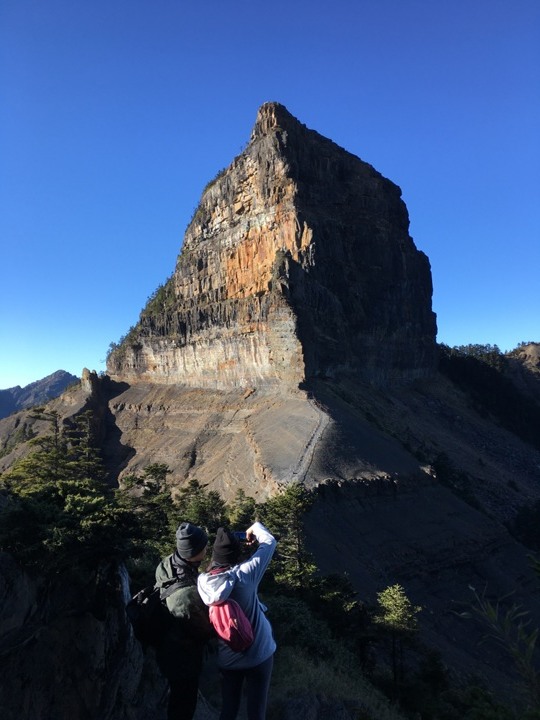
(382, 516)
(356, 445)
(116, 455)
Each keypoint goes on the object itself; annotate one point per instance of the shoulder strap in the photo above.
(219, 569)
(170, 586)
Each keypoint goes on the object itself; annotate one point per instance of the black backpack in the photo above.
(148, 612)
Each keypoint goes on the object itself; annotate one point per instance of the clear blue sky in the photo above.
(116, 113)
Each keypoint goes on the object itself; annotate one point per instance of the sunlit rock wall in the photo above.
(297, 264)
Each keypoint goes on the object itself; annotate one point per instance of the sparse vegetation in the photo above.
(23, 433)
(157, 314)
(479, 370)
(57, 513)
(119, 348)
(162, 300)
(214, 180)
(510, 626)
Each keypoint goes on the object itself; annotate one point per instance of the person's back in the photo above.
(180, 654)
(190, 628)
(240, 581)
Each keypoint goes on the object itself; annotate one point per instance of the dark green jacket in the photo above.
(181, 651)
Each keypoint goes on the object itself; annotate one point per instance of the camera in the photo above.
(240, 536)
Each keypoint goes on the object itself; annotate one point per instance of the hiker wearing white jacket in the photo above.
(239, 580)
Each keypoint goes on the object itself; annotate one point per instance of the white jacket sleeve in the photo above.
(256, 565)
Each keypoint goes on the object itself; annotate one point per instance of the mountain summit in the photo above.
(36, 393)
(297, 264)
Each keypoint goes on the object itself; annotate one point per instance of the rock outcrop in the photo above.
(70, 649)
(297, 264)
(524, 369)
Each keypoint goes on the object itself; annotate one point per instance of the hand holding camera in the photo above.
(246, 538)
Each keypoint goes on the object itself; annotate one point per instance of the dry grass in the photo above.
(335, 683)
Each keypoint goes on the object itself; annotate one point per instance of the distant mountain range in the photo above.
(38, 392)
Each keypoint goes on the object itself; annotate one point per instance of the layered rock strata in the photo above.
(297, 264)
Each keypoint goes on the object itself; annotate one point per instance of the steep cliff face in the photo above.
(68, 651)
(297, 264)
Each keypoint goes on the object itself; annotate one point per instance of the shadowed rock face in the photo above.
(297, 264)
(68, 649)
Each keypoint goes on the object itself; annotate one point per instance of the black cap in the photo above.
(190, 540)
(226, 550)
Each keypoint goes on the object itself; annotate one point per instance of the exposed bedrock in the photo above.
(297, 264)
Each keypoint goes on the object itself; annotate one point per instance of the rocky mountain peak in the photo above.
(36, 393)
(273, 116)
(297, 264)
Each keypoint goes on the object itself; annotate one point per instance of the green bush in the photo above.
(295, 625)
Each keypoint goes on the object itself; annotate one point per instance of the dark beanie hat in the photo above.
(226, 550)
(190, 540)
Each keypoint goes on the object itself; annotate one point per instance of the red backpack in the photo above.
(231, 624)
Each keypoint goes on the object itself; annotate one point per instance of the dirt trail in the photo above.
(304, 462)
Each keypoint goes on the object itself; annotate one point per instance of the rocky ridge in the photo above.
(36, 393)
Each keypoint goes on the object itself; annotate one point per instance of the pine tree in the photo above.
(155, 478)
(57, 511)
(242, 511)
(397, 618)
(284, 516)
(202, 507)
(149, 498)
(84, 457)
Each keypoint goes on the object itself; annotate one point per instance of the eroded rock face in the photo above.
(68, 650)
(297, 264)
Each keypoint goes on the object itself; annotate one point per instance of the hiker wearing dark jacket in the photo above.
(180, 654)
(240, 581)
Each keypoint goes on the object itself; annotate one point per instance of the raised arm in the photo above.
(258, 562)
